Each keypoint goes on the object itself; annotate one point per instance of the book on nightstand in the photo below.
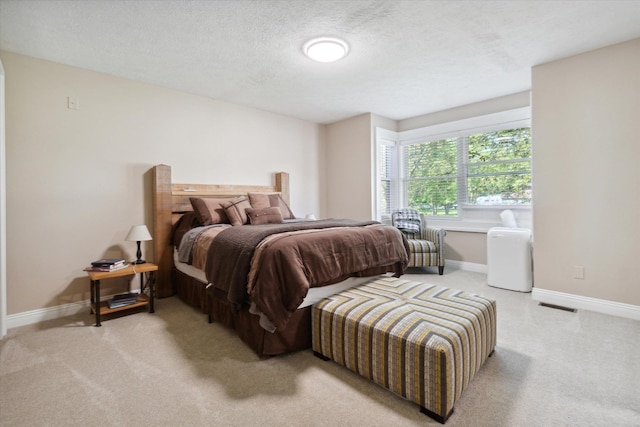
(122, 300)
(107, 264)
(107, 268)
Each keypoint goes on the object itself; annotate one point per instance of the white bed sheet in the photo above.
(188, 269)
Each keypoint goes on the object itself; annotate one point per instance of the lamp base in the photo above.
(139, 255)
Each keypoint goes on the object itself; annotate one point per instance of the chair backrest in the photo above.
(407, 220)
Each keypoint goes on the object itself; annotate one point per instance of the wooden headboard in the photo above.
(172, 200)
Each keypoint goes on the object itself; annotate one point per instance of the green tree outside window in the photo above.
(497, 165)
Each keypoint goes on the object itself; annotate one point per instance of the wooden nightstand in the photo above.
(100, 308)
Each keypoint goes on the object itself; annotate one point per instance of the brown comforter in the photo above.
(294, 262)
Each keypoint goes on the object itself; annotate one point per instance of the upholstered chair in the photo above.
(426, 245)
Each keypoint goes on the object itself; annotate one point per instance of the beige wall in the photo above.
(348, 168)
(78, 179)
(495, 105)
(586, 110)
(350, 146)
(466, 247)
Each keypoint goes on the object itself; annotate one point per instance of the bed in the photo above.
(261, 279)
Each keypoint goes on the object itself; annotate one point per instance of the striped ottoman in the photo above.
(421, 341)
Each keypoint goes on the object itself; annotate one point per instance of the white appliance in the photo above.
(509, 258)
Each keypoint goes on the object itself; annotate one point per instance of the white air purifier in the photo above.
(509, 259)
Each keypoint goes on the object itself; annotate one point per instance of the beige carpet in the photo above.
(172, 368)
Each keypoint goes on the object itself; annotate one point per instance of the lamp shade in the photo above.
(138, 233)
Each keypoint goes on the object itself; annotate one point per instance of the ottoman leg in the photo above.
(320, 356)
(438, 418)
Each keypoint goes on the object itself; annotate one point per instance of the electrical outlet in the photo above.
(578, 272)
(73, 103)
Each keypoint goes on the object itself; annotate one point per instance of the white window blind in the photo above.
(431, 176)
(387, 176)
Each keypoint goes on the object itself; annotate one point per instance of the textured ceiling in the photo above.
(407, 58)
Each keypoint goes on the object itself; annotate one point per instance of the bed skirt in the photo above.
(296, 336)
(190, 290)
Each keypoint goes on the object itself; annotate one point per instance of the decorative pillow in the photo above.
(265, 216)
(235, 210)
(266, 200)
(209, 211)
(185, 223)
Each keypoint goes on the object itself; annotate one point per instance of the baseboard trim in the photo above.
(612, 308)
(468, 266)
(49, 313)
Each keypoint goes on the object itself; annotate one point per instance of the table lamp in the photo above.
(138, 233)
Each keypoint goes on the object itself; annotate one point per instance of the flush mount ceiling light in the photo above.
(326, 49)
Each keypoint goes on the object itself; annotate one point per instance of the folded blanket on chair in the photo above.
(407, 220)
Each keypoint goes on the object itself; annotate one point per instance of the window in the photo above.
(449, 171)
(387, 176)
(431, 176)
(499, 167)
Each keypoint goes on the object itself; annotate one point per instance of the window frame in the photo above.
(384, 138)
(471, 217)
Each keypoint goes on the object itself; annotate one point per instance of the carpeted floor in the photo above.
(172, 368)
